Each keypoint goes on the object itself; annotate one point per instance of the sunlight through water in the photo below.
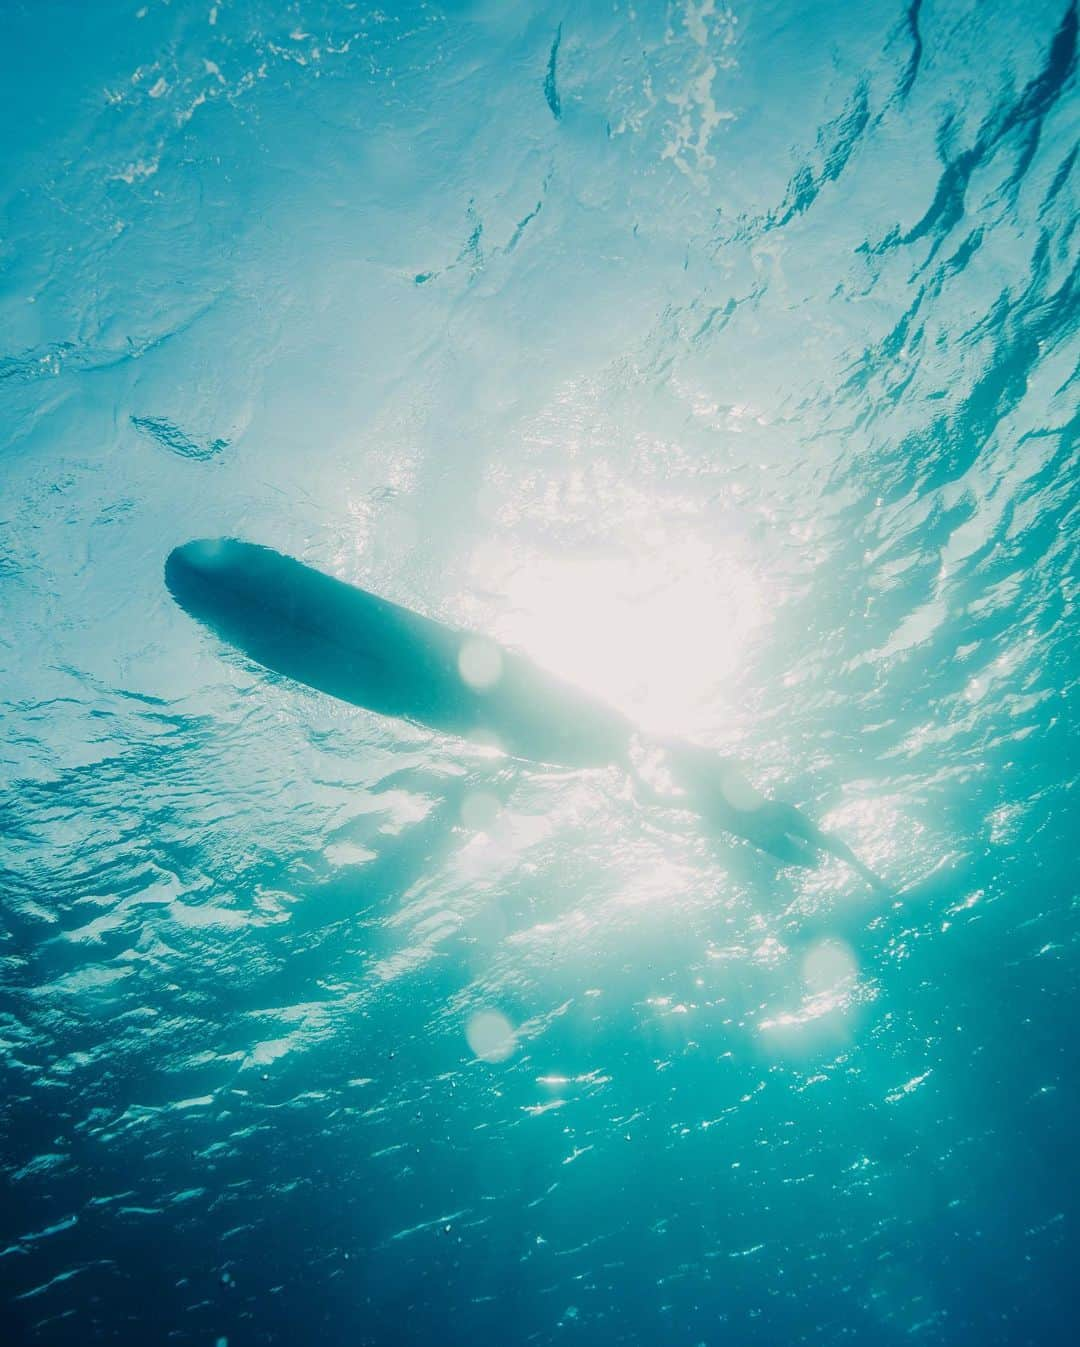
(655, 630)
(360, 986)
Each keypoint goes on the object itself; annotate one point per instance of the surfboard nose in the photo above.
(195, 571)
(205, 556)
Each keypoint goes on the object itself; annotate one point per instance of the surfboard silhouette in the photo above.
(363, 649)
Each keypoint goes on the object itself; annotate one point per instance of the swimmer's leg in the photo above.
(799, 825)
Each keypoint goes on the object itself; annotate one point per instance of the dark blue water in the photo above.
(725, 361)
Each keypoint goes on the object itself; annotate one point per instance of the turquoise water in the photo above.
(722, 359)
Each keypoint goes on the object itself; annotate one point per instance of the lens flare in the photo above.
(828, 965)
(491, 1036)
(480, 663)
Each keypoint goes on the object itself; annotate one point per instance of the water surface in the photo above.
(724, 361)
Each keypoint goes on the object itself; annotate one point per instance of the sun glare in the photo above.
(654, 635)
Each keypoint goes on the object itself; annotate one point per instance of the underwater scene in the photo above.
(538, 673)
